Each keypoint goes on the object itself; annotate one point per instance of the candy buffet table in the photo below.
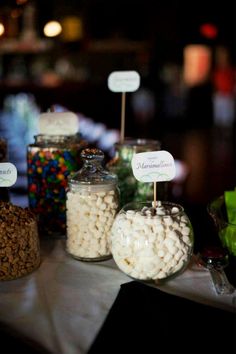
(63, 305)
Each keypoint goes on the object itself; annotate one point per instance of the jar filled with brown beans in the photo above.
(20, 249)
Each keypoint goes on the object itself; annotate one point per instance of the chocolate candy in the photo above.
(49, 162)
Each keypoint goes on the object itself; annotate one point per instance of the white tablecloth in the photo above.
(64, 303)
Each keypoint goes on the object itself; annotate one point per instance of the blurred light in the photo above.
(2, 29)
(72, 28)
(209, 30)
(197, 64)
(52, 29)
(21, 2)
(16, 13)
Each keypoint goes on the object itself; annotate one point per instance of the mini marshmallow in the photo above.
(108, 199)
(185, 230)
(174, 210)
(89, 223)
(160, 211)
(167, 257)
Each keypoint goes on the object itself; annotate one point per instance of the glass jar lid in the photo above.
(92, 171)
(140, 144)
(129, 147)
(42, 139)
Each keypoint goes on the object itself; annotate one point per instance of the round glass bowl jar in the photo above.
(152, 243)
(92, 204)
(130, 188)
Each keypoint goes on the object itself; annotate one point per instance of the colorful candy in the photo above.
(48, 168)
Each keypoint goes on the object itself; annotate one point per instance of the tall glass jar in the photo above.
(131, 189)
(50, 159)
(92, 204)
(152, 243)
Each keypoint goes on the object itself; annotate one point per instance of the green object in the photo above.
(132, 190)
(228, 238)
(223, 212)
(230, 203)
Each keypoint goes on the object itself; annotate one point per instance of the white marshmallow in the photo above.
(156, 250)
(90, 223)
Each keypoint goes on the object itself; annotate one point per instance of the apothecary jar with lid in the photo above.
(92, 204)
(50, 159)
(152, 243)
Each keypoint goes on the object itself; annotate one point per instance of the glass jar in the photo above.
(130, 188)
(49, 162)
(152, 243)
(92, 204)
(20, 249)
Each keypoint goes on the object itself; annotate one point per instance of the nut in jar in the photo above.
(20, 251)
(92, 204)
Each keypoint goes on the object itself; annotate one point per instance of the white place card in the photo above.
(8, 174)
(154, 166)
(123, 81)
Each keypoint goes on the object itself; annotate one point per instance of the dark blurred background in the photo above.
(184, 51)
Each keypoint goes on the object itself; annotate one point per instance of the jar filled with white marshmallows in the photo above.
(152, 243)
(92, 204)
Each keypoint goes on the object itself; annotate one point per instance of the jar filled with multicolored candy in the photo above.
(50, 160)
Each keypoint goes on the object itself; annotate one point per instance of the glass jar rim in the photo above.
(89, 187)
(130, 142)
(56, 139)
(138, 205)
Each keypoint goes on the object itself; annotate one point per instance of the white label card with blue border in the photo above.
(8, 174)
(123, 81)
(153, 166)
